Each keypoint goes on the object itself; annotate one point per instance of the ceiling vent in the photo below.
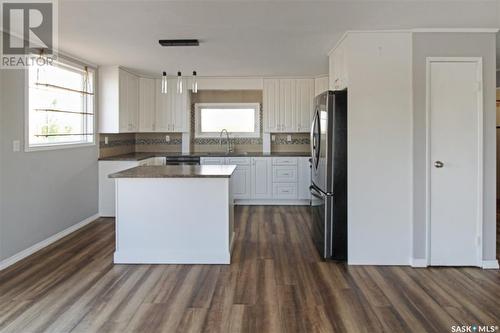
(179, 42)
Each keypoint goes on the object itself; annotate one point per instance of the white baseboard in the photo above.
(414, 262)
(40, 245)
(167, 258)
(490, 264)
(272, 202)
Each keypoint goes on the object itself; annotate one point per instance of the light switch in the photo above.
(16, 145)
(289, 138)
(273, 138)
(106, 140)
(167, 138)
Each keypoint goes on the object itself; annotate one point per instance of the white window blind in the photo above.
(61, 106)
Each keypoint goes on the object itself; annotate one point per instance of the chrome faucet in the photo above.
(229, 148)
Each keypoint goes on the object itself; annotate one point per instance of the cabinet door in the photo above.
(180, 110)
(133, 102)
(304, 178)
(270, 105)
(123, 114)
(212, 161)
(162, 116)
(146, 105)
(304, 94)
(261, 178)
(287, 106)
(240, 182)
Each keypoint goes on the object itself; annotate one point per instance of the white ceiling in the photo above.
(244, 38)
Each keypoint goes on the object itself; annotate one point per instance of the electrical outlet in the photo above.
(273, 137)
(106, 140)
(167, 138)
(289, 138)
(16, 145)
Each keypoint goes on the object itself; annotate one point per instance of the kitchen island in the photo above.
(174, 214)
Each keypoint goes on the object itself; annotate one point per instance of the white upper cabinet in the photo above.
(320, 85)
(118, 100)
(146, 105)
(287, 105)
(172, 109)
(304, 95)
(271, 104)
(338, 74)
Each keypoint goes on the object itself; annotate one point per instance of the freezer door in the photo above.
(321, 206)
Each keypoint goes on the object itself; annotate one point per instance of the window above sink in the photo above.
(241, 120)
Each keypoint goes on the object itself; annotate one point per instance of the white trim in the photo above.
(184, 257)
(254, 134)
(63, 145)
(416, 30)
(457, 30)
(479, 222)
(272, 202)
(490, 264)
(414, 262)
(40, 245)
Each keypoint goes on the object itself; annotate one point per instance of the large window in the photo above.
(239, 119)
(61, 106)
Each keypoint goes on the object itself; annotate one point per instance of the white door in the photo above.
(261, 178)
(455, 158)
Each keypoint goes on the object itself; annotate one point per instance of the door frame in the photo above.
(480, 177)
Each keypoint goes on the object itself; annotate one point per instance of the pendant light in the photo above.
(179, 83)
(195, 83)
(164, 84)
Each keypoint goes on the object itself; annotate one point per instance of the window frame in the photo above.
(257, 128)
(63, 145)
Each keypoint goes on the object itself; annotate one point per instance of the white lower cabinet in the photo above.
(268, 180)
(107, 185)
(304, 178)
(261, 178)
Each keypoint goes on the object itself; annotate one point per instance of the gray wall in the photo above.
(43, 192)
(461, 45)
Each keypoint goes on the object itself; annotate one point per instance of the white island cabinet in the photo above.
(174, 214)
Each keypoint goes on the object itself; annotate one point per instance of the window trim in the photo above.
(199, 134)
(65, 145)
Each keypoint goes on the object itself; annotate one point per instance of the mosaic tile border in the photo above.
(117, 143)
(160, 141)
(295, 141)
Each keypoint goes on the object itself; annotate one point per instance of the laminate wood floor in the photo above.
(276, 283)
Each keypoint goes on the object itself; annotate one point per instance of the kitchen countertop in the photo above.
(143, 156)
(177, 171)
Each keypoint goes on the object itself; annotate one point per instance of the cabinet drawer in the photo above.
(284, 174)
(212, 160)
(285, 190)
(284, 161)
(238, 160)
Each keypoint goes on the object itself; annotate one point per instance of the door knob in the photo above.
(438, 164)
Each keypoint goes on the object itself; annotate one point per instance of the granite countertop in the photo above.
(177, 171)
(143, 156)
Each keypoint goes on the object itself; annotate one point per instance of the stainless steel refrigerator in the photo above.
(329, 174)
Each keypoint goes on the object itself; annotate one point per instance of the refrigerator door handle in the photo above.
(315, 192)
